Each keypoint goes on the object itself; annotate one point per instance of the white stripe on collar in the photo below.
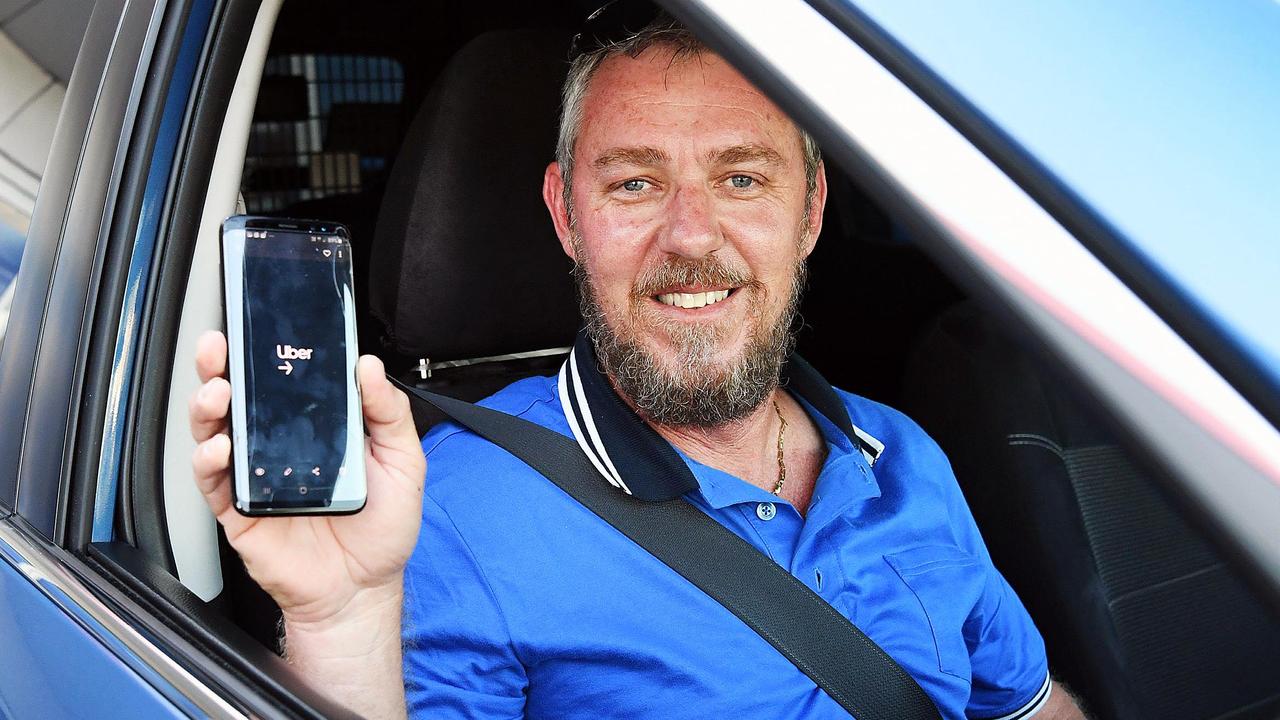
(869, 439)
(581, 416)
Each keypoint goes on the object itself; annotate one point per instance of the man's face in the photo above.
(689, 225)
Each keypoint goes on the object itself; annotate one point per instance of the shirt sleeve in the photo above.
(459, 661)
(1006, 653)
(1010, 671)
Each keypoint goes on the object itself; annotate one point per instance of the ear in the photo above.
(553, 196)
(815, 209)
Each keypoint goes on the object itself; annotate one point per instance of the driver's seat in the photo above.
(468, 285)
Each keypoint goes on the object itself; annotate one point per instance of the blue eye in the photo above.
(633, 185)
(742, 181)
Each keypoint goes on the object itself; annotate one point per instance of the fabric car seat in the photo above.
(1140, 615)
(465, 265)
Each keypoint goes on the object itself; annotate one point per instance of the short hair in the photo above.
(665, 32)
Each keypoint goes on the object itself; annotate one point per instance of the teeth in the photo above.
(693, 300)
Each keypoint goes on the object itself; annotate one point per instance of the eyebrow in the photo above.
(641, 156)
(738, 154)
(646, 156)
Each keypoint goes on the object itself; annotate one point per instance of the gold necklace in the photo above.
(782, 463)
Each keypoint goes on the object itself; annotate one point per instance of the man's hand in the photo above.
(337, 579)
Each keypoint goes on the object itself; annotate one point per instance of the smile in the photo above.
(692, 300)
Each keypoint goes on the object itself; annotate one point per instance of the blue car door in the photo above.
(65, 650)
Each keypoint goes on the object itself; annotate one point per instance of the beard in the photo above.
(703, 389)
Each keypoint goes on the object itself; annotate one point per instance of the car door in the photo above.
(77, 642)
(62, 655)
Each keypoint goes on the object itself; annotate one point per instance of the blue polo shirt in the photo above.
(522, 603)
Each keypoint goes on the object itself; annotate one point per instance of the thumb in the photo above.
(386, 408)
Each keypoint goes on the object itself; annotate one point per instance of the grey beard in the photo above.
(700, 394)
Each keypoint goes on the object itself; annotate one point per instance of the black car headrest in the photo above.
(465, 262)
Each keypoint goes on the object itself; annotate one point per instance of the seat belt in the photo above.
(814, 636)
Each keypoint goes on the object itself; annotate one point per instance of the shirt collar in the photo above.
(635, 458)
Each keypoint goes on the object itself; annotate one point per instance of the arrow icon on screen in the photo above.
(287, 367)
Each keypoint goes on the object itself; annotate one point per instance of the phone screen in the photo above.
(297, 431)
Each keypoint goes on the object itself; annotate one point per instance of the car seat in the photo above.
(469, 288)
(1139, 614)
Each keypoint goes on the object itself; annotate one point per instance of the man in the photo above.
(689, 203)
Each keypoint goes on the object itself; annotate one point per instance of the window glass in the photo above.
(38, 45)
(1161, 117)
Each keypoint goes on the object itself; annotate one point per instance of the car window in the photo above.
(36, 56)
(1160, 119)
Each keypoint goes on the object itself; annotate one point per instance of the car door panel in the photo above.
(51, 665)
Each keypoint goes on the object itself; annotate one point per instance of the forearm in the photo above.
(1061, 706)
(355, 659)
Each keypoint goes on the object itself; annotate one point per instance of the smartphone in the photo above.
(297, 431)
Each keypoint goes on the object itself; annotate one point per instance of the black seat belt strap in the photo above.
(814, 636)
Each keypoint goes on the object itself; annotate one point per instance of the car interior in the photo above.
(425, 129)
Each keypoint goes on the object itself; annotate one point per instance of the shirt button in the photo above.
(765, 511)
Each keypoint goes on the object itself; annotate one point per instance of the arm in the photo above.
(1061, 705)
(1006, 653)
(355, 655)
(337, 579)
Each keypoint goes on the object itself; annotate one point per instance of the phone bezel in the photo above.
(235, 345)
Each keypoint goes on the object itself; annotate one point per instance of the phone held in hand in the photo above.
(297, 431)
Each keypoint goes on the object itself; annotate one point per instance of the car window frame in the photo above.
(131, 571)
(1218, 339)
(85, 233)
(33, 285)
(1154, 286)
(68, 254)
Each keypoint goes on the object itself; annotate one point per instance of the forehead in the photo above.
(696, 99)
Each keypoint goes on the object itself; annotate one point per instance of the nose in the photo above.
(692, 230)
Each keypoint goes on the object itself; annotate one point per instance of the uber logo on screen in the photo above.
(289, 352)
